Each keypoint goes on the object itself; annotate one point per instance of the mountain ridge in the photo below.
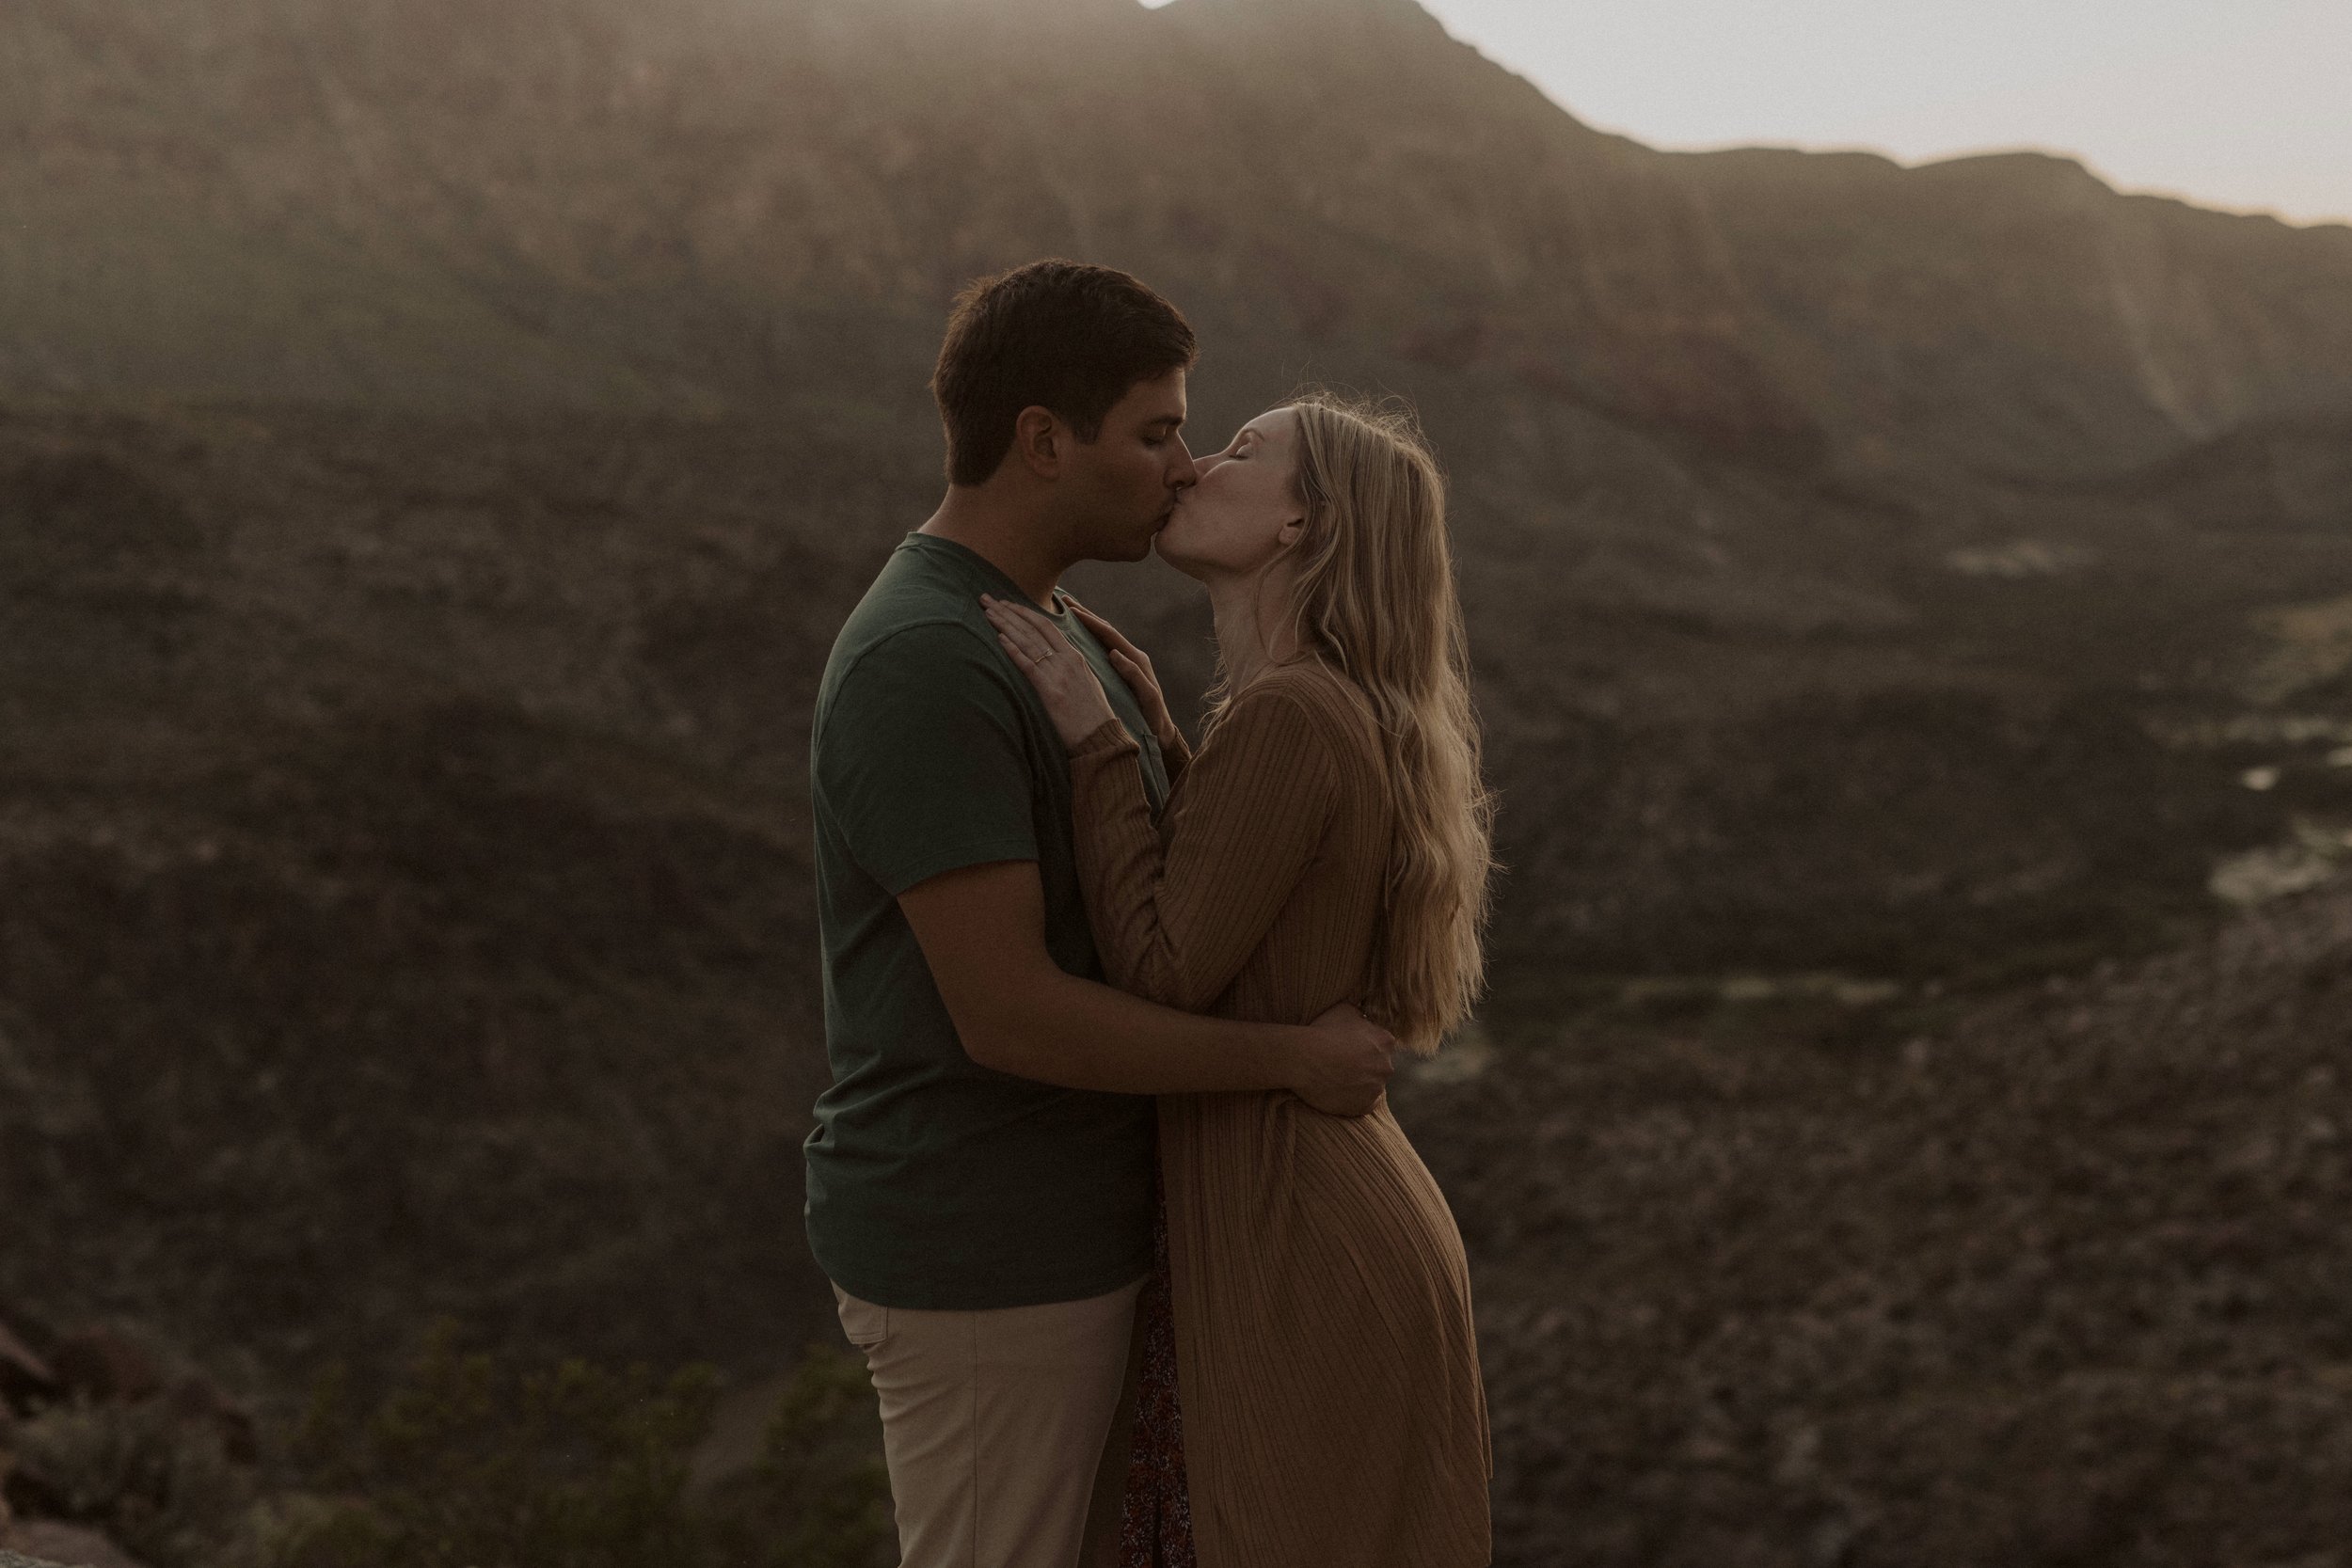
(639, 204)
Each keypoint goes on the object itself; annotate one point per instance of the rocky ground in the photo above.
(1798, 1281)
(2057, 1281)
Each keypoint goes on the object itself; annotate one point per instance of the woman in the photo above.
(1311, 1387)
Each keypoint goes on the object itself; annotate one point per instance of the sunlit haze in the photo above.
(2245, 106)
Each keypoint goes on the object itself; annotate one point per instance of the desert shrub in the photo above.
(470, 1462)
(820, 1496)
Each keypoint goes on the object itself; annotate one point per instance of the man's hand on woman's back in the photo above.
(1344, 1062)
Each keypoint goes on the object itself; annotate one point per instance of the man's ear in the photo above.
(1037, 439)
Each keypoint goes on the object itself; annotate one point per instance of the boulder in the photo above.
(22, 1372)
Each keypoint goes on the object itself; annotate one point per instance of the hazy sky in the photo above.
(2238, 103)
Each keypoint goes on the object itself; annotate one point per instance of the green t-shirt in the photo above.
(934, 1182)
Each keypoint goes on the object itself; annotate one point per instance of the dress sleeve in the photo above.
(1176, 907)
(1176, 758)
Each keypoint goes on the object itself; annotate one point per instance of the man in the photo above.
(979, 1181)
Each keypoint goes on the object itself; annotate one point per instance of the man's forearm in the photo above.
(1082, 1034)
(983, 930)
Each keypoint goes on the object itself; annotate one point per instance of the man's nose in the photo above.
(1187, 470)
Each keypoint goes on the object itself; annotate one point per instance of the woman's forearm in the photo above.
(1178, 906)
(1119, 866)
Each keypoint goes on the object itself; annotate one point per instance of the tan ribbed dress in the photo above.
(1327, 1365)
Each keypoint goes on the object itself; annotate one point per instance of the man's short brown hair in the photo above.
(1057, 335)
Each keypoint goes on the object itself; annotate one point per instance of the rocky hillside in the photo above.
(411, 899)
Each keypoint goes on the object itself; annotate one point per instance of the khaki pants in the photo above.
(996, 1426)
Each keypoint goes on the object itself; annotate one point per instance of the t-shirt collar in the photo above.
(965, 552)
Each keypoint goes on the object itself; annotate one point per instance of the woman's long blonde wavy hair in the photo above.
(1375, 595)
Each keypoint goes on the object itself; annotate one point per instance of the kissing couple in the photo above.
(1143, 1269)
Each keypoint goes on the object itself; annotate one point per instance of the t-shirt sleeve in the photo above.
(920, 763)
